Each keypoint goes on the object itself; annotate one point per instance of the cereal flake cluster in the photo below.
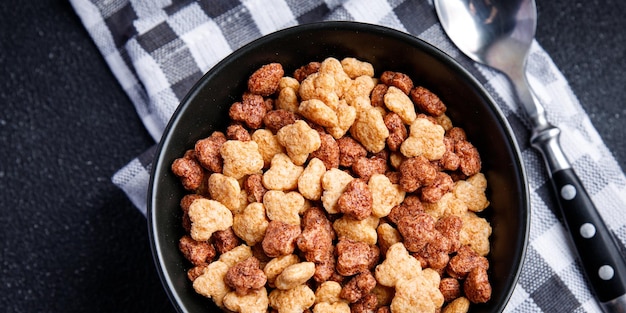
(333, 190)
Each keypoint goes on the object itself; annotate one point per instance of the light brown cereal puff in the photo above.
(299, 139)
(474, 197)
(419, 294)
(475, 232)
(318, 112)
(236, 255)
(342, 80)
(241, 158)
(355, 68)
(459, 305)
(310, 182)
(226, 190)
(398, 265)
(321, 86)
(283, 206)
(385, 195)
(211, 283)
(358, 93)
(346, 115)
(395, 159)
(268, 145)
(369, 129)
(335, 307)
(328, 291)
(294, 300)
(277, 265)
(287, 100)
(357, 230)
(387, 236)
(425, 138)
(447, 205)
(398, 102)
(295, 275)
(289, 82)
(251, 224)
(207, 217)
(444, 121)
(282, 174)
(255, 301)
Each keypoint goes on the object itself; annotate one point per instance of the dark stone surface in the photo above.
(72, 242)
(587, 41)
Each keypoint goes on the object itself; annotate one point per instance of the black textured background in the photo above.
(72, 242)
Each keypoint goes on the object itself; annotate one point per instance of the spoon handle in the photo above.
(596, 247)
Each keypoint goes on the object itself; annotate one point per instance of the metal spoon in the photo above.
(499, 33)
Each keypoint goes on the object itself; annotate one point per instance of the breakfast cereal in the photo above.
(333, 190)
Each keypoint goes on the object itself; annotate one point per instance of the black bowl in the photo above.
(205, 109)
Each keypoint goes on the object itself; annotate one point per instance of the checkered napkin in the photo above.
(158, 49)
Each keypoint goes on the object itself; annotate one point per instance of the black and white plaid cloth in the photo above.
(158, 49)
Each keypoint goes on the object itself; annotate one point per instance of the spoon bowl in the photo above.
(498, 34)
(483, 31)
